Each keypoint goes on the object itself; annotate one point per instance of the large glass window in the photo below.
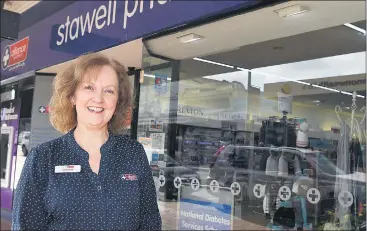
(266, 120)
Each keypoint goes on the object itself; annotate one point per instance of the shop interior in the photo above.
(230, 92)
(275, 49)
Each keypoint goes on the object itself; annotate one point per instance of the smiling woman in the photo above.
(93, 171)
(85, 79)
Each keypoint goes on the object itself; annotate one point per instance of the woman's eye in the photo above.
(110, 91)
(88, 88)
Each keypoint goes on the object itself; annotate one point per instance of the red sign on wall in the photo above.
(15, 54)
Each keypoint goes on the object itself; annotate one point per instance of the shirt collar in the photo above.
(105, 147)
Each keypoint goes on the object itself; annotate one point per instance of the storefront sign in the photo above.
(232, 116)
(87, 26)
(202, 215)
(15, 54)
(348, 83)
(190, 110)
(10, 112)
(337, 84)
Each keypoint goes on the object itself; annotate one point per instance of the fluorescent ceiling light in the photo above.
(262, 73)
(320, 68)
(291, 10)
(189, 38)
(346, 93)
(211, 62)
(363, 31)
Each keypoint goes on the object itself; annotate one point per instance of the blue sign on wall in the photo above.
(202, 215)
(86, 26)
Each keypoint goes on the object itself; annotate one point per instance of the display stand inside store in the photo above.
(289, 213)
(350, 161)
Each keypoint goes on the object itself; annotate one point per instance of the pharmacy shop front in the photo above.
(114, 28)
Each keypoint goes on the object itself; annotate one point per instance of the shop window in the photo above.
(274, 109)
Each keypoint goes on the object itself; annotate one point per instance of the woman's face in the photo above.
(96, 99)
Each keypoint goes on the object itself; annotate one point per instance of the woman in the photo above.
(91, 177)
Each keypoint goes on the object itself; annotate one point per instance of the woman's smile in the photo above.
(97, 110)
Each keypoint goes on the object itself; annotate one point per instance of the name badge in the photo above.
(67, 168)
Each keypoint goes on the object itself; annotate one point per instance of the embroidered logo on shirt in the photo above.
(129, 177)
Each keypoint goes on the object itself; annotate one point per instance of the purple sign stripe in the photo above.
(86, 26)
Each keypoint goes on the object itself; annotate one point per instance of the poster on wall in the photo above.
(158, 140)
(156, 126)
(160, 85)
(10, 113)
(146, 142)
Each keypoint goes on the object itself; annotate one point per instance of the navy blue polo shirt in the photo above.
(122, 196)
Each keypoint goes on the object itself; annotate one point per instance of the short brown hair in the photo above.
(63, 113)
